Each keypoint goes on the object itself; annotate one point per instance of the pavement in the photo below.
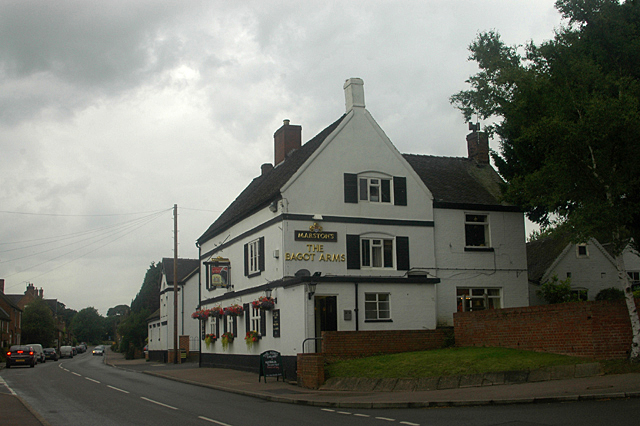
(601, 387)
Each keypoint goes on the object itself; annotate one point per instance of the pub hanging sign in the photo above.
(315, 233)
(218, 273)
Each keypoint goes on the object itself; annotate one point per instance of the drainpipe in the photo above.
(355, 311)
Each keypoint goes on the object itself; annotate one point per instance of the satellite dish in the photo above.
(302, 273)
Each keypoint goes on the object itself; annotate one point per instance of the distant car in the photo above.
(51, 353)
(66, 351)
(21, 355)
(37, 347)
(98, 350)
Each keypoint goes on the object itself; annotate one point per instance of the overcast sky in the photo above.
(112, 112)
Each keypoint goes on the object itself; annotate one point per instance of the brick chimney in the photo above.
(478, 147)
(30, 290)
(286, 139)
(41, 293)
(266, 168)
(1, 285)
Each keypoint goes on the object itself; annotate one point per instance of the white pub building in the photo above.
(346, 233)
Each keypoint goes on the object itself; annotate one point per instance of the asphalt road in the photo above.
(83, 390)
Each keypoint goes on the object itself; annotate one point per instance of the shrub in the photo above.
(556, 291)
(610, 294)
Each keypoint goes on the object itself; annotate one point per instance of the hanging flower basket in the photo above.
(216, 312)
(201, 314)
(251, 338)
(264, 303)
(226, 339)
(233, 310)
(209, 339)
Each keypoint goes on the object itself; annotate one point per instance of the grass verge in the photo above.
(447, 362)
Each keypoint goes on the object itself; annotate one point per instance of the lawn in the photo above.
(447, 362)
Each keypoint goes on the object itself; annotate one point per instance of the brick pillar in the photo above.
(310, 370)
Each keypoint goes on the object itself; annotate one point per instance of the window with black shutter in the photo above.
(350, 188)
(254, 257)
(263, 324)
(400, 191)
(247, 317)
(353, 252)
(402, 253)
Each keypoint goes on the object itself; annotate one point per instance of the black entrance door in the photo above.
(326, 308)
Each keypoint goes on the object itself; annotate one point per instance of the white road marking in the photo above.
(386, 419)
(2, 382)
(362, 415)
(344, 412)
(213, 421)
(90, 379)
(73, 372)
(329, 410)
(410, 424)
(118, 389)
(159, 403)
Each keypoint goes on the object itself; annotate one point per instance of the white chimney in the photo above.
(354, 93)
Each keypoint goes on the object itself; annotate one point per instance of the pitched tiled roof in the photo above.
(542, 253)
(10, 300)
(452, 181)
(457, 180)
(266, 188)
(185, 268)
(4, 316)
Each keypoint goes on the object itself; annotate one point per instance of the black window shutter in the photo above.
(235, 326)
(246, 260)
(400, 191)
(263, 323)
(224, 323)
(247, 317)
(402, 253)
(350, 188)
(261, 254)
(353, 252)
(217, 327)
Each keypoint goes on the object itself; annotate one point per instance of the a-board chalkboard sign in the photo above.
(271, 365)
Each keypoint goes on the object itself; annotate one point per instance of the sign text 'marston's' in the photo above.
(331, 237)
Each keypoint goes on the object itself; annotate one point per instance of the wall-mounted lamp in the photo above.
(268, 292)
(317, 217)
(273, 206)
(311, 288)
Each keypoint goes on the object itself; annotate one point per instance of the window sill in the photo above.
(485, 249)
(378, 320)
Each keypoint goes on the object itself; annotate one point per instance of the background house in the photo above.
(590, 266)
(10, 320)
(345, 233)
(161, 323)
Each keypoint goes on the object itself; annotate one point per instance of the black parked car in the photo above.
(21, 355)
(51, 353)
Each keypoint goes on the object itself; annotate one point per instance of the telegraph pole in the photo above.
(176, 353)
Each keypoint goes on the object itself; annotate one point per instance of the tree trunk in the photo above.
(634, 354)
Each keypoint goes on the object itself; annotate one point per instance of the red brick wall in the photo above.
(600, 330)
(310, 370)
(355, 344)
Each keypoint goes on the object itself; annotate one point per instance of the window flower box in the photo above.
(251, 338)
(226, 339)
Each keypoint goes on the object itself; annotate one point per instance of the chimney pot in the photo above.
(1, 285)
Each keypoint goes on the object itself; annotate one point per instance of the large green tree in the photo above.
(38, 325)
(88, 325)
(567, 115)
